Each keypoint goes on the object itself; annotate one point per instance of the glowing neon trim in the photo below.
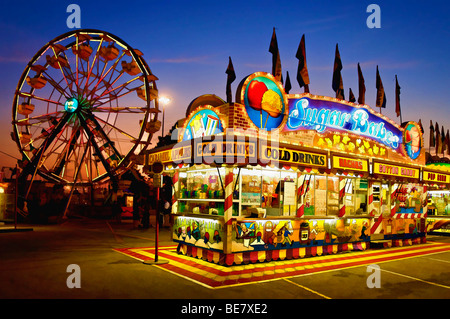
(305, 113)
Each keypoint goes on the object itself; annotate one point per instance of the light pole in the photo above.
(163, 100)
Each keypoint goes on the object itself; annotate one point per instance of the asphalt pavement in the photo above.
(40, 263)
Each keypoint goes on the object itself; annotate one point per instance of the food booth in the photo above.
(277, 176)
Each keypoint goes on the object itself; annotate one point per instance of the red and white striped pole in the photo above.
(370, 208)
(176, 188)
(300, 192)
(394, 194)
(342, 183)
(228, 208)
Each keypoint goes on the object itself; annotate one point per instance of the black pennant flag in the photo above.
(381, 95)
(398, 110)
(276, 61)
(362, 87)
(287, 86)
(351, 97)
(302, 70)
(338, 84)
(231, 76)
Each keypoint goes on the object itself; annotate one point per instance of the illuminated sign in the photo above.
(270, 154)
(436, 177)
(264, 100)
(204, 122)
(71, 105)
(328, 116)
(352, 164)
(412, 140)
(394, 170)
(217, 151)
(175, 155)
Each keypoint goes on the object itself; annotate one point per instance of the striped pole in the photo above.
(425, 200)
(228, 205)
(394, 194)
(370, 208)
(228, 210)
(300, 191)
(342, 183)
(176, 188)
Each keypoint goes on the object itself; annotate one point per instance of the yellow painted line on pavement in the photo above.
(414, 278)
(308, 289)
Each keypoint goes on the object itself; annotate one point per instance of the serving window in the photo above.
(438, 202)
(272, 190)
(355, 196)
(201, 191)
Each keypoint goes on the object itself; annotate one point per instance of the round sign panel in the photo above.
(71, 105)
(264, 101)
(412, 140)
(204, 122)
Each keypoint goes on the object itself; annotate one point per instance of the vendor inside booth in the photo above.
(277, 176)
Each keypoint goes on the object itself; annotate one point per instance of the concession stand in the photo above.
(277, 176)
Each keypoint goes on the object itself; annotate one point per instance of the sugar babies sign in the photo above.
(325, 115)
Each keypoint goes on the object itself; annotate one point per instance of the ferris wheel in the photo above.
(85, 106)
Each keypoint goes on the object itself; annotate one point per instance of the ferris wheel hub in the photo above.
(71, 105)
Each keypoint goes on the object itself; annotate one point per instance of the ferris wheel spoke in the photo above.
(55, 84)
(40, 118)
(105, 137)
(33, 164)
(77, 172)
(115, 128)
(67, 152)
(114, 97)
(120, 109)
(32, 96)
(103, 76)
(92, 66)
(117, 87)
(97, 149)
(61, 69)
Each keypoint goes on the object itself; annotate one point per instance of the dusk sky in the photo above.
(187, 45)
